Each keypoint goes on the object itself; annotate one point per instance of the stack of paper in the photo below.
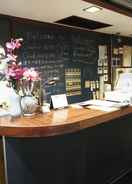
(103, 105)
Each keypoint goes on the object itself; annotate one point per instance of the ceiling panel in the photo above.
(54, 10)
(82, 23)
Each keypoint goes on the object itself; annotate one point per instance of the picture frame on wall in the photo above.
(100, 70)
(116, 73)
(106, 61)
(105, 70)
(105, 78)
(100, 62)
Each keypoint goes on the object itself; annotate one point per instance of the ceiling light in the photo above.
(92, 9)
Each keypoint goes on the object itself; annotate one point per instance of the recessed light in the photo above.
(92, 9)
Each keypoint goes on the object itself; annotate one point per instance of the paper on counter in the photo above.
(103, 108)
(103, 103)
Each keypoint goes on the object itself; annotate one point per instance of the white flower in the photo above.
(4, 104)
(2, 51)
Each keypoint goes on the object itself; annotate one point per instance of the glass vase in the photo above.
(29, 105)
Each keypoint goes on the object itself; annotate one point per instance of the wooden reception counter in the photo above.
(68, 146)
(57, 122)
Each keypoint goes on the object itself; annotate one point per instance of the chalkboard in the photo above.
(51, 50)
(84, 49)
(46, 50)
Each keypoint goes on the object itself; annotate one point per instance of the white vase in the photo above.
(15, 108)
(8, 94)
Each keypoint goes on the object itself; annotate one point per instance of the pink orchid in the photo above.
(15, 72)
(18, 44)
(31, 74)
(10, 46)
(12, 57)
(15, 43)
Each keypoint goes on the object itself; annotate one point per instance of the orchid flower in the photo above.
(15, 43)
(12, 57)
(31, 75)
(22, 79)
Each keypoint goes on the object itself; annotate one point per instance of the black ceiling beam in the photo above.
(111, 6)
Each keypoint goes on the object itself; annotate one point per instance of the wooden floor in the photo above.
(2, 181)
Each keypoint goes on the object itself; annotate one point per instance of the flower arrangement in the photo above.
(25, 81)
(22, 79)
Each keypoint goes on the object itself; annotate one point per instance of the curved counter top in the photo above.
(57, 122)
